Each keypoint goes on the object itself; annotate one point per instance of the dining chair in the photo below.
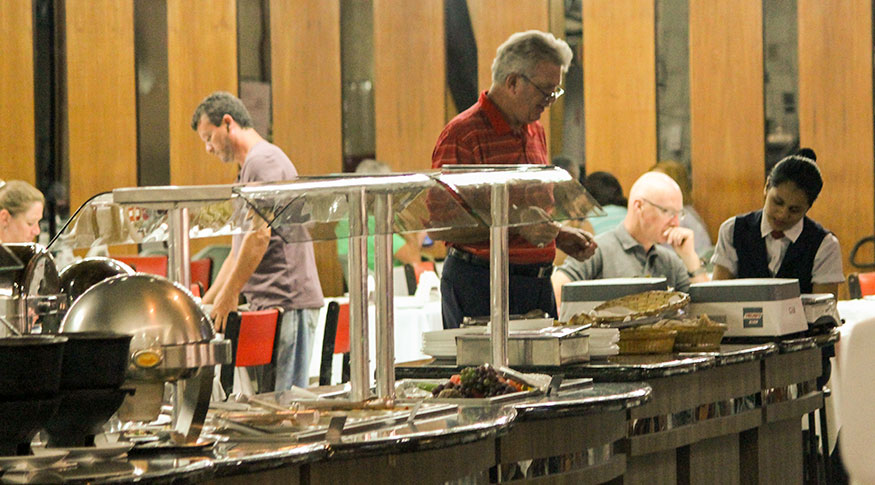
(861, 284)
(201, 272)
(335, 340)
(156, 265)
(857, 403)
(413, 272)
(254, 338)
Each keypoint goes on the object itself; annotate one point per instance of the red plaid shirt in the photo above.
(480, 135)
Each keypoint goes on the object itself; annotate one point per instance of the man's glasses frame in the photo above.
(548, 96)
(666, 211)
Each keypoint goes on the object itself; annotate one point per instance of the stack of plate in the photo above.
(442, 343)
(603, 341)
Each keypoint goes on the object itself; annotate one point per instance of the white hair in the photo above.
(522, 51)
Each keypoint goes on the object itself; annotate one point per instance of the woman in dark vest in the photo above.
(780, 241)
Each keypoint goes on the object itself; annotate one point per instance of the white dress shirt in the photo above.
(827, 261)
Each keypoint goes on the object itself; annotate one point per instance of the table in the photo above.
(413, 317)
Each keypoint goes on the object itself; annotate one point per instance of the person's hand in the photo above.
(224, 304)
(683, 242)
(539, 234)
(681, 239)
(576, 243)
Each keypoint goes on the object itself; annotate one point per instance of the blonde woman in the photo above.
(21, 208)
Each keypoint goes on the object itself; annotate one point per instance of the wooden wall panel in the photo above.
(726, 108)
(619, 87)
(201, 58)
(16, 91)
(305, 69)
(409, 81)
(305, 84)
(494, 21)
(835, 114)
(101, 96)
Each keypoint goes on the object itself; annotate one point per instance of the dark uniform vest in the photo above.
(753, 260)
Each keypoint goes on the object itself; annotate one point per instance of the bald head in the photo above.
(655, 202)
(653, 185)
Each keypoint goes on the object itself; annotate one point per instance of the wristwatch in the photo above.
(702, 269)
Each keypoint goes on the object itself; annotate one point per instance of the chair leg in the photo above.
(344, 373)
(824, 440)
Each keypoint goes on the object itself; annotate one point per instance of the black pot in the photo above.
(30, 366)
(81, 275)
(81, 415)
(20, 421)
(94, 360)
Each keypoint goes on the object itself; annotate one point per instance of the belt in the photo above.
(535, 270)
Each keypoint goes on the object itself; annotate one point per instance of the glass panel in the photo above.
(309, 208)
(780, 62)
(673, 80)
(141, 215)
(537, 193)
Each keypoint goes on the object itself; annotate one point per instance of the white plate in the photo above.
(105, 451)
(42, 458)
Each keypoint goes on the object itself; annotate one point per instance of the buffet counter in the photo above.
(576, 434)
(715, 417)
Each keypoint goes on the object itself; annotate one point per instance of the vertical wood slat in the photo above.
(16, 91)
(727, 127)
(305, 84)
(101, 97)
(306, 99)
(493, 22)
(201, 58)
(409, 81)
(835, 115)
(619, 87)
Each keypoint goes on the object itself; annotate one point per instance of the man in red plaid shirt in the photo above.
(503, 128)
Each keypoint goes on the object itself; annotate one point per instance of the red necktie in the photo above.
(777, 234)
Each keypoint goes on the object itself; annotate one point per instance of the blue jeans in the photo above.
(295, 348)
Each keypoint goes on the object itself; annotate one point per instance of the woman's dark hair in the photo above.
(605, 188)
(801, 169)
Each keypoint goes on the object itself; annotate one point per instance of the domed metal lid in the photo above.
(79, 276)
(156, 311)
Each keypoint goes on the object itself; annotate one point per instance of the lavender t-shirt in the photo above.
(287, 276)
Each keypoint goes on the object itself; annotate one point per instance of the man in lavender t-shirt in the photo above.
(268, 271)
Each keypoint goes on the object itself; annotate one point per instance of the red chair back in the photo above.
(256, 339)
(867, 283)
(421, 267)
(201, 271)
(341, 339)
(156, 265)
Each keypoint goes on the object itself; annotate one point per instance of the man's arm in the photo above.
(683, 242)
(558, 279)
(251, 252)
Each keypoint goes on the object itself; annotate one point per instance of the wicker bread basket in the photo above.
(699, 339)
(647, 341)
(626, 310)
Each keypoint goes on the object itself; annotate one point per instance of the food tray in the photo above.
(635, 309)
(647, 341)
(406, 392)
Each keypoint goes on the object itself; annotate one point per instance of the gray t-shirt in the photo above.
(287, 276)
(619, 255)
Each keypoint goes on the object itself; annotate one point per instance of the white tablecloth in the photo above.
(851, 311)
(413, 316)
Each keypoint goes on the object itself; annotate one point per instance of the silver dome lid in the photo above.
(137, 304)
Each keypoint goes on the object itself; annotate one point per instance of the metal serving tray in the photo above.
(404, 394)
(549, 346)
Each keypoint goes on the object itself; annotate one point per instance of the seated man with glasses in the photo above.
(633, 248)
(502, 128)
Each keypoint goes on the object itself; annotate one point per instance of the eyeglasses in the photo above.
(548, 96)
(666, 211)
